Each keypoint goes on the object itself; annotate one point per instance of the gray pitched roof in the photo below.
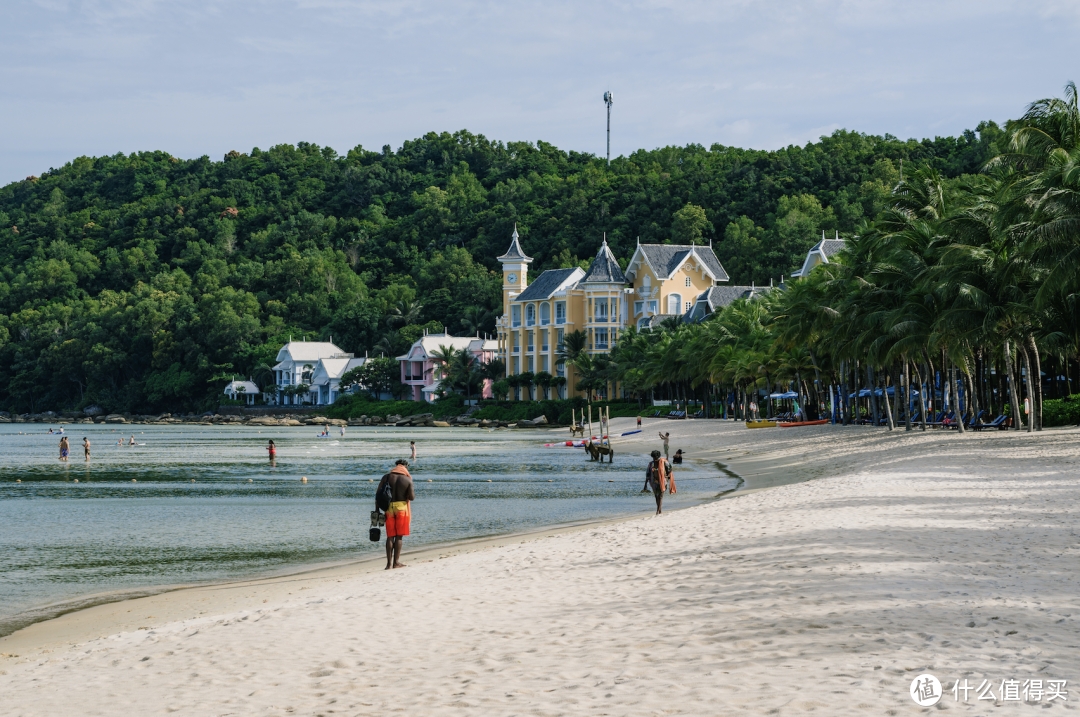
(830, 247)
(666, 258)
(604, 268)
(514, 253)
(545, 285)
(717, 297)
(657, 319)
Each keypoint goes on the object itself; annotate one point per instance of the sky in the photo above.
(203, 77)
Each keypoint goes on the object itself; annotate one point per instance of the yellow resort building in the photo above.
(661, 281)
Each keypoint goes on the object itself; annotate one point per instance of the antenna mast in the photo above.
(608, 99)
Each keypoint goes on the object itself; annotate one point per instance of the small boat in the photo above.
(629, 433)
(761, 424)
(804, 423)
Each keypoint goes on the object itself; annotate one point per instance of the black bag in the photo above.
(383, 496)
(374, 535)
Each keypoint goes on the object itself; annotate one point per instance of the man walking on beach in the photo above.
(658, 476)
(399, 514)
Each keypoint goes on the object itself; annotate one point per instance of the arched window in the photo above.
(674, 303)
(530, 315)
(545, 314)
(646, 284)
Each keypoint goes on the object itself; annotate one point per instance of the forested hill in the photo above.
(138, 282)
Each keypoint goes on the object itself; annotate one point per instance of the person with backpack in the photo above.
(394, 497)
(659, 476)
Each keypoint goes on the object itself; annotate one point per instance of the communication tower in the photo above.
(608, 99)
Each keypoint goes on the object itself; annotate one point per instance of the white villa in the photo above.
(242, 390)
(318, 364)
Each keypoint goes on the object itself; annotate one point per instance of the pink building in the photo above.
(422, 375)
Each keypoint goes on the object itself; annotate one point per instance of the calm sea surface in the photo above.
(63, 543)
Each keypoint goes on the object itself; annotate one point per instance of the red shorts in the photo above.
(398, 517)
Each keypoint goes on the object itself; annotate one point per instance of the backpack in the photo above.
(384, 495)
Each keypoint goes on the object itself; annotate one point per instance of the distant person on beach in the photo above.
(132, 441)
(677, 458)
(343, 430)
(639, 422)
(412, 447)
(64, 449)
(86, 448)
(50, 430)
(399, 514)
(658, 476)
(272, 449)
(665, 437)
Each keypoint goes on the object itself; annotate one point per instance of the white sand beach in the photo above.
(907, 552)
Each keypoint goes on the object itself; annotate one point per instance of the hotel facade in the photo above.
(660, 281)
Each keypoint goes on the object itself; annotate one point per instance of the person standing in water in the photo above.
(658, 476)
(665, 437)
(86, 448)
(343, 430)
(132, 441)
(272, 450)
(64, 449)
(412, 447)
(399, 514)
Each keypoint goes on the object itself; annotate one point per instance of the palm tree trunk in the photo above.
(894, 375)
(885, 395)
(840, 404)
(871, 382)
(955, 401)
(907, 396)
(1030, 391)
(1017, 419)
(1037, 408)
(922, 397)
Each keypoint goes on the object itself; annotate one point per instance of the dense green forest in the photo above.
(139, 282)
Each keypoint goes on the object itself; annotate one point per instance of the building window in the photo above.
(653, 308)
(558, 340)
(530, 315)
(514, 366)
(544, 341)
(543, 363)
(687, 305)
(515, 316)
(639, 306)
(517, 346)
(688, 281)
(545, 314)
(560, 312)
(601, 338)
(529, 341)
(673, 303)
(529, 364)
(600, 310)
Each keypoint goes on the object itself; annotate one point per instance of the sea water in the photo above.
(195, 504)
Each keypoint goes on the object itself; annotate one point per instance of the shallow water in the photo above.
(61, 539)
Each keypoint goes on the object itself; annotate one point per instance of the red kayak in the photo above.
(804, 423)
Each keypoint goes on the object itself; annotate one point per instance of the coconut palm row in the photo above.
(962, 294)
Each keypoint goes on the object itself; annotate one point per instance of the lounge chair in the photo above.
(996, 423)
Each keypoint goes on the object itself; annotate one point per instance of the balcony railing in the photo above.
(544, 348)
(515, 324)
(531, 347)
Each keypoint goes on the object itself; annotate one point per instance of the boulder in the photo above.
(337, 422)
(540, 420)
(318, 420)
(440, 424)
(486, 423)
(292, 422)
(392, 419)
(357, 421)
(93, 411)
(417, 419)
(115, 418)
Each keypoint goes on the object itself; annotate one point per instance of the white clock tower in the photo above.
(515, 269)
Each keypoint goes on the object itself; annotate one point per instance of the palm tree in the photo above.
(525, 379)
(404, 313)
(543, 379)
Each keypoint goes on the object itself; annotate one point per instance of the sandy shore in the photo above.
(909, 552)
